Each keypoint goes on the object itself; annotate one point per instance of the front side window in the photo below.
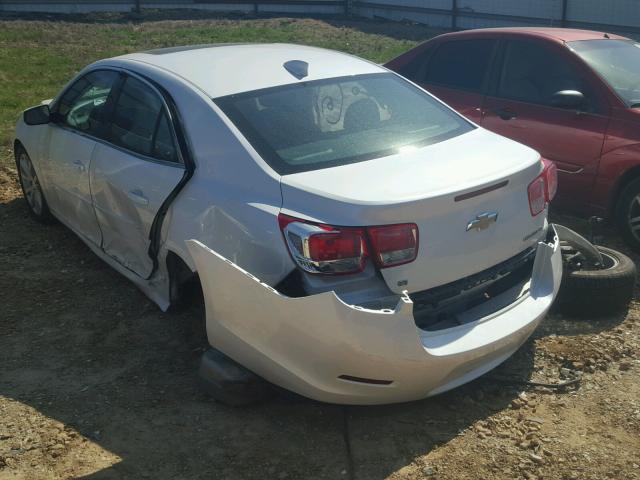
(462, 64)
(140, 122)
(327, 123)
(617, 62)
(82, 106)
(533, 73)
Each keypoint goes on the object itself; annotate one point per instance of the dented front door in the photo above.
(67, 169)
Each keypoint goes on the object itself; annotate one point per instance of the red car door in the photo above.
(457, 72)
(521, 105)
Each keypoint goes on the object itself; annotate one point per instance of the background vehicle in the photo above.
(375, 217)
(573, 95)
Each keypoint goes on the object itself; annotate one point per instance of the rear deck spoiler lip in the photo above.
(481, 191)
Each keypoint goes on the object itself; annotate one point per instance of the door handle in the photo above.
(138, 197)
(79, 165)
(505, 114)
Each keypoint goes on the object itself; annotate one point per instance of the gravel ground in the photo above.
(97, 383)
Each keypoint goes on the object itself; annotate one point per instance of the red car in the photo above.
(573, 95)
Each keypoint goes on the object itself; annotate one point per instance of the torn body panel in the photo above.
(127, 194)
(156, 288)
(322, 348)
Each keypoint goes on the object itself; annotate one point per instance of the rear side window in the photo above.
(462, 64)
(140, 122)
(163, 147)
(82, 106)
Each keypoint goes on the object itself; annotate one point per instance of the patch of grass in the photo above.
(37, 57)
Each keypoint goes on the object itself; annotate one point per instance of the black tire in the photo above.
(593, 293)
(627, 208)
(31, 188)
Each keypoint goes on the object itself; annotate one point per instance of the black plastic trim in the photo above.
(189, 168)
(434, 306)
(370, 381)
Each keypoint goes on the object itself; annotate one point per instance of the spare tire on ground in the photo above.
(597, 290)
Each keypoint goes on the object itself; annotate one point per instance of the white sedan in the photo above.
(356, 240)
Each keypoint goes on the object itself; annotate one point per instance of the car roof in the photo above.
(225, 69)
(557, 34)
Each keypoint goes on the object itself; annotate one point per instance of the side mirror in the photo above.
(37, 115)
(567, 99)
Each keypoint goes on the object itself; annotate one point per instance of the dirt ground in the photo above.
(96, 382)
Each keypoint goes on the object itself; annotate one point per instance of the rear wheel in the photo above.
(597, 290)
(628, 214)
(31, 187)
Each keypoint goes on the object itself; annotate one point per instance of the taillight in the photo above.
(551, 179)
(542, 190)
(394, 244)
(335, 245)
(319, 248)
(322, 248)
(537, 196)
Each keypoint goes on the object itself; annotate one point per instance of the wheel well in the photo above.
(16, 145)
(184, 284)
(627, 177)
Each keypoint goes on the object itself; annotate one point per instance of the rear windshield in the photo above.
(617, 62)
(326, 123)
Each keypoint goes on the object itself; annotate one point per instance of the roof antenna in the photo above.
(606, 35)
(297, 68)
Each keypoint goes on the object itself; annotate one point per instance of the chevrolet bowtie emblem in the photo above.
(482, 221)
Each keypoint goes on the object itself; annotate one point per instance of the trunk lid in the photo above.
(442, 188)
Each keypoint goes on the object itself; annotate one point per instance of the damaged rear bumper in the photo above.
(322, 348)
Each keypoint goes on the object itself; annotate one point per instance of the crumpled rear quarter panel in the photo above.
(304, 344)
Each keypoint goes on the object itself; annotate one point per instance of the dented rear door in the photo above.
(134, 173)
(127, 193)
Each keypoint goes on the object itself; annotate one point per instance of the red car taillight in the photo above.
(537, 197)
(326, 249)
(394, 244)
(542, 190)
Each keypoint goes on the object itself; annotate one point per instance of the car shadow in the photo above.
(81, 346)
(557, 324)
